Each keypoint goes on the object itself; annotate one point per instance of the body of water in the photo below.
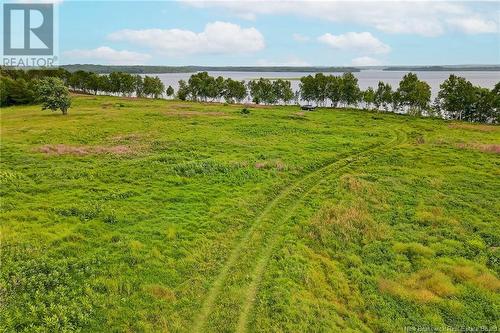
(366, 78)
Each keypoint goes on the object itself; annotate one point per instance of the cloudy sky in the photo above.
(328, 33)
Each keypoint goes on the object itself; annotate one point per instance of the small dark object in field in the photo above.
(245, 111)
(376, 118)
(308, 107)
(120, 105)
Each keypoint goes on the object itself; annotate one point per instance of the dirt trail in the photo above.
(230, 299)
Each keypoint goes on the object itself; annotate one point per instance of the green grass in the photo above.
(152, 215)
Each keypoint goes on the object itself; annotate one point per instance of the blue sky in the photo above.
(326, 33)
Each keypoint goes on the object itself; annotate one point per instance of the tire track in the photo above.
(268, 251)
(260, 231)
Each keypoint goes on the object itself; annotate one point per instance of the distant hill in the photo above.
(192, 69)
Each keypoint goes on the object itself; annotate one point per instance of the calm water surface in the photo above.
(366, 78)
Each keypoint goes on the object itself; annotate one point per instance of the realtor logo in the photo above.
(28, 29)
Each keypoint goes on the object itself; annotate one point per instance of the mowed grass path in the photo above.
(145, 216)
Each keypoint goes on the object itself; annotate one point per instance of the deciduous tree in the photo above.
(53, 94)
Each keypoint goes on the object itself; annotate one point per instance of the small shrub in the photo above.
(110, 219)
(245, 111)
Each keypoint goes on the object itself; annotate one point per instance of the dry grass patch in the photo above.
(300, 115)
(352, 183)
(131, 137)
(257, 106)
(107, 105)
(350, 222)
(476, 127)
(81, 95)
(62, 149)
(433, 216)
(160, 292)
(424, 286)
(481, 279)
(436, 182)
(487, 148)
(278, 165)
(413, 250)
(189, 114)
(356, 185)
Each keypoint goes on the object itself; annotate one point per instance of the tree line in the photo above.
(203, 87)
(19, 86)
(118, 83)
(457, 98)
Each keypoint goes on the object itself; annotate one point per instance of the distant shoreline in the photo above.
(139, 69)
(492, 68)
(104, 69)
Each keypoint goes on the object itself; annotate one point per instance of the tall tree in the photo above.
(127, 84)
(138, 85)
(455, 97)
(321, 88)
(369, 97)
(105, 84)
(483, 107)
(220, 86)
(282, 89)
(153, 86)
(234, 90)
(383, 96)
(115, 82)
(170, 91)
(334, 89)
(350, 90)
(307, 88)
(93, 83)
(414, 95)
(262, 91)
(183, 92)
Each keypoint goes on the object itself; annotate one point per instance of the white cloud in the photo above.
(300, 38)
(426, 18)
(363, 42)
(291, 61)
(474, 25)
(217, 38)
(107, 55)
(365, 61)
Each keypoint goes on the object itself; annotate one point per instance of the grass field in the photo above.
(146, 216)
